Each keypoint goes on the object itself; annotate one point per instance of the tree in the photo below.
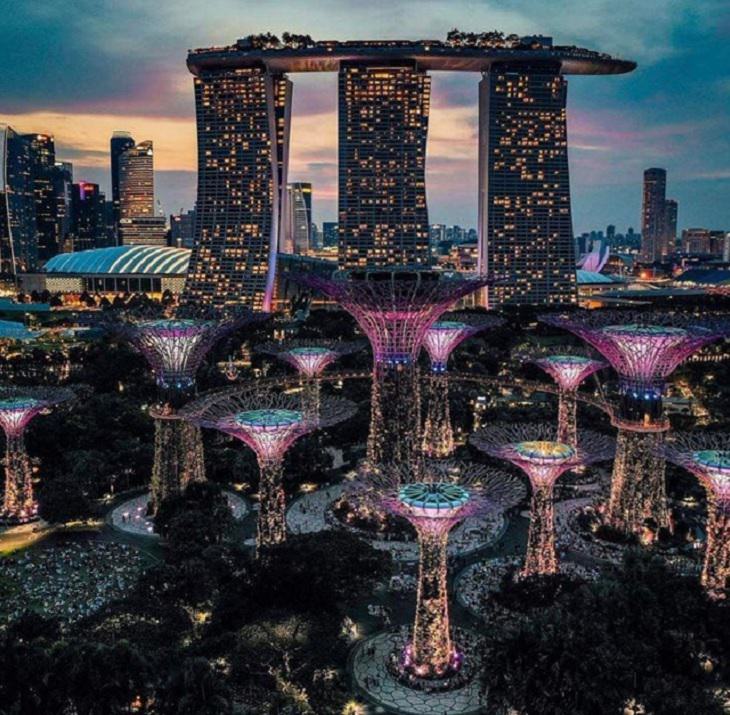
(62, 499)
(195, 688)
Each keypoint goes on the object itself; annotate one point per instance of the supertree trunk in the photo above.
(716, 569)
(310, 395)
(541, 558)
(638, 491)
(192, 455)
(438, 436)
(19, 499)
(271, 529)
(567, 425)
(432, 651)
(395, 421)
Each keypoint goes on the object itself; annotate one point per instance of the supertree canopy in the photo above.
(395, 308)
(450, 492)
(440, 340)
(531, 448)
(707, 456)
(568, 369)
(310, 358)
(175, 348)
(269, 423)
(18, 406)
(644, 348)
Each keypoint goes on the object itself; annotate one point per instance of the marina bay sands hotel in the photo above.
(243, 98)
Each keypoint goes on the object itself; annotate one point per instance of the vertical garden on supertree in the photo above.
(448, 493)
(568, 370)
(531, 447)
(175, 348)
(310, 358)
(707, 456)
(440, 340)
(394, 308)
(269, 422)
(18, 406)
(644, 349)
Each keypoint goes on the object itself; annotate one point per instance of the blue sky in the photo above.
(80, 69)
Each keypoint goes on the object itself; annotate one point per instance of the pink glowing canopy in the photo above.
(569, 371)
(706, 455)
(444, 336)
(395, 308)
(19, 405)
(310, 357)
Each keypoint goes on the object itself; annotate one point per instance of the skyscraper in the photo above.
(383, 124)
(18, 231)
(136, 181)
(62, 186)
(298, 221)
(43, 161)
(653, 216)
(525, 223)
(243, 120)
(119, 143)
(330, 234)
(88, 224)
(670, 225)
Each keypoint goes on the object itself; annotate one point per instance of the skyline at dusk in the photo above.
(81, 76)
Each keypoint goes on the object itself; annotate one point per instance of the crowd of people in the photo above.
(69, 581)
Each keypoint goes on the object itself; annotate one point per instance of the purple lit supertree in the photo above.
(707, 456)
(449, 493)
(568, 369)
(18, 406)
(269, 423)
(175, 348)
(644, 349)
(310, 358)
(395, 308)
(440, 340)
(531, 448)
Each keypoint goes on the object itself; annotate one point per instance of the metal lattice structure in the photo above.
(531, 448)
(707, 456)
(440, 340)
(175, 346)
(394, 309)
(569, 369)
(269, 423)
(18, 406)
(450, 492)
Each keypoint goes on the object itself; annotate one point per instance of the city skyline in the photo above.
(147, 91)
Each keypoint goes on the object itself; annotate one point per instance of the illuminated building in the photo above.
(309, 358)
(395, 308)
(644, 349)
(174, 349)
(531, 448)
(243, 121)
(671, 209)
(88, 227)
(136, 181)
(707, 456)
(119, 143)
(143, 231)
(383, 124)
(440, 340)
(449, 493)
(62, 190)
(18, 406)
(269, 423)
(43, 161)
(568, 370)
(297, 219)
(525, 223)
(653, 217)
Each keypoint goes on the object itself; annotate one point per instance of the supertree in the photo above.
(440, 340)
(448, 493)
(269, 423)
(707, 456)
(531, 447)
(395, 308)
(18, 406)
(644, 349)
(174, 348)
(568, 369)
(310, 358)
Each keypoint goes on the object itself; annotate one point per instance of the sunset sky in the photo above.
(80, 69)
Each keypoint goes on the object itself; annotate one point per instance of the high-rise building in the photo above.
(243, 118)
(182, 229)
(18, 231)
(136, 181)
(63, 177)
(43, 161)
(119, 143)
(525, 223)
(298, 220)
(383, 125)
(653, 216)
(330, 233)
(88, 222)
(670, 226)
